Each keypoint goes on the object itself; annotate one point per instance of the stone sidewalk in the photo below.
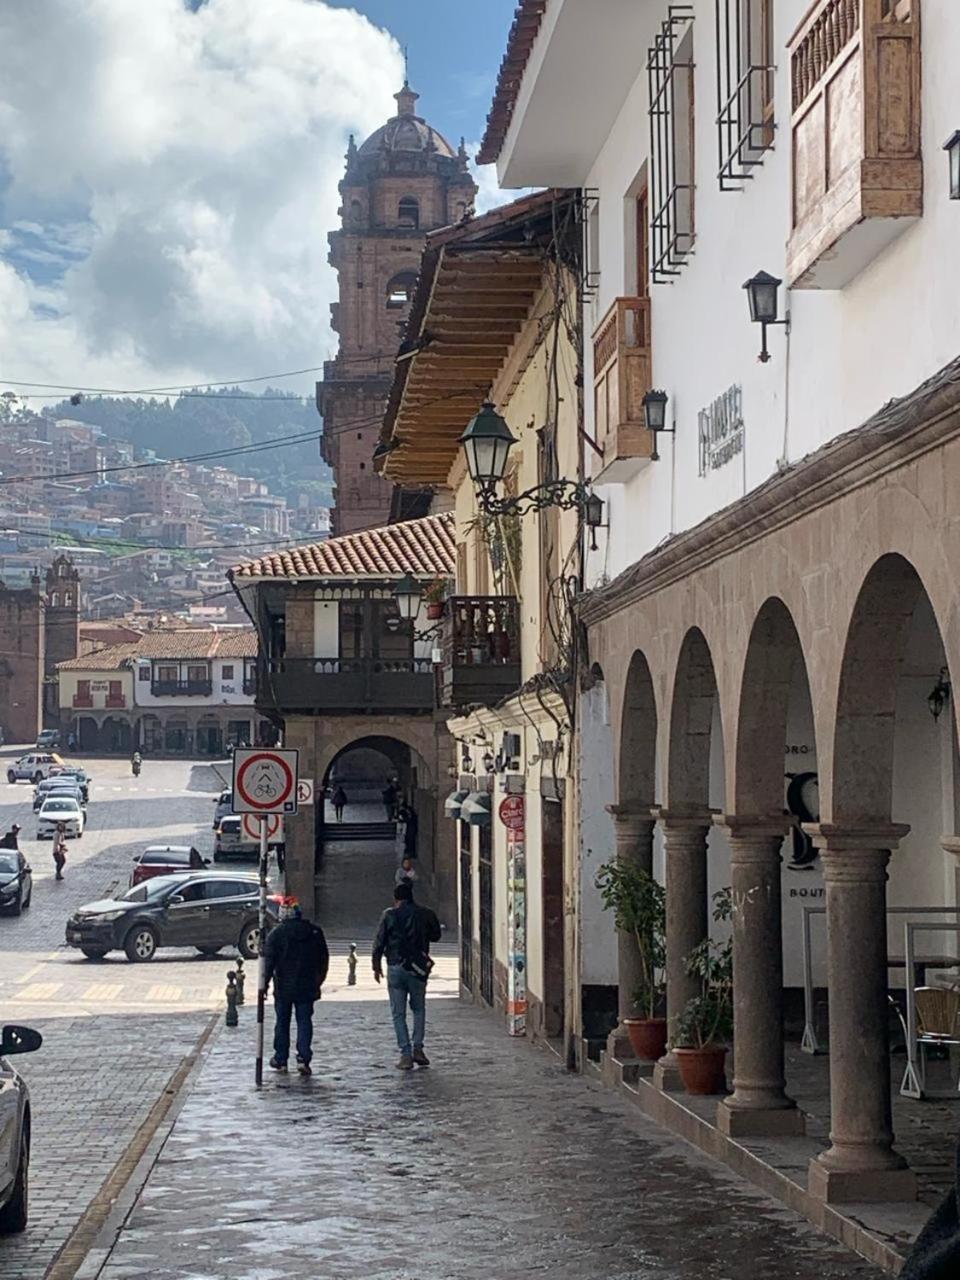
(493, 1163)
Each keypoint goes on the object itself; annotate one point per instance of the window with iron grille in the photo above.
(745, 72)
(670, 75)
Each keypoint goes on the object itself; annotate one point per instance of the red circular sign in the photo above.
(512, 812)
(265, 782)
(251, 825)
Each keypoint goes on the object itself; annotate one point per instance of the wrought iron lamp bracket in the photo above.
(568, 495)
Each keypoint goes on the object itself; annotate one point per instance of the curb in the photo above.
(91, 1242)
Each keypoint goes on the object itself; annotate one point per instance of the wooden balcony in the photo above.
(116, 702)
(83, 700)
(621, 378)
(481, 650)
(319, 686)
(181, 688)
(857, 166)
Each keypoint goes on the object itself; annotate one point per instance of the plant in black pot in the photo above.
(705, 1026)
(638, 904)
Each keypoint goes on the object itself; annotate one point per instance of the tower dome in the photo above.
(406, 131)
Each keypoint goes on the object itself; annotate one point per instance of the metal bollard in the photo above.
(241, 979)
(231, 1019)
(352, 966)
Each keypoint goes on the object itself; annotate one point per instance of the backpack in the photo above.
(413, 957)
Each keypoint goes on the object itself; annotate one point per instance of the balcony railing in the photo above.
(115, 701)
(621, 378)
(83, 699)
(181, 688)
(857, 166)
(481, 650)
(346, 684)
(250, 686)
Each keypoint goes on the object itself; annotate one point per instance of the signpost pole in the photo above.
(262, 966)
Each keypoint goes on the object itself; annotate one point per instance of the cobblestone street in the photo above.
(494, 1163)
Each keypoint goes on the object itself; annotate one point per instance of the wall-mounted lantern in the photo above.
(655, 418)
(952, 148)
(764, 305)
(938, 695)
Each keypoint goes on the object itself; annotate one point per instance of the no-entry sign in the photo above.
(251, 827)
(264, 781)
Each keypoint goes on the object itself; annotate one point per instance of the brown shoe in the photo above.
(420, 1058)
(405, 1063)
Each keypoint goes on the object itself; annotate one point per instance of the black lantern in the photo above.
(655, 418)
(407, 595)
(593, 516)
(487, 442)
(489, 762)
(762, 297)
(938, 695)
(952, 148)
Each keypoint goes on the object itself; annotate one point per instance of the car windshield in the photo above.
(8, 862)
(60, 806)
(149, 890)
(171, 857)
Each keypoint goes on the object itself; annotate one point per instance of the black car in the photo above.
(14, 1129)
(203, 909)
(16, 881)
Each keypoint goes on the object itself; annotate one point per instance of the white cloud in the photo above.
(170, 179)
(489, 192)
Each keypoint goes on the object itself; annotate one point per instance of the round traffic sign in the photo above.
(251, 825)
(512, 812)
(266, 782)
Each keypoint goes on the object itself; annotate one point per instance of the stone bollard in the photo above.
(241, 979)
(231, 1019)
(352, 966)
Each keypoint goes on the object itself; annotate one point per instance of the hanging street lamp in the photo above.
(407, 594)
(655, 418)
(764, 306)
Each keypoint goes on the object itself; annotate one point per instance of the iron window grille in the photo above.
(745, 69)
(670, 77)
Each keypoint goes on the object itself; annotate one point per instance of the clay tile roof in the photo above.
(523, 33)
(184, 643)
(424, 548)
(111, 658)
(238, 644)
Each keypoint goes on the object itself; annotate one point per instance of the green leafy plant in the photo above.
(436, 591)
(707, 1018)
(639, 906)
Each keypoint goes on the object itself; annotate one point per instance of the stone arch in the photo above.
(391, 744)
(691, 724)
(861, 784)
(636, 766)
(400, 290)
(773, 658)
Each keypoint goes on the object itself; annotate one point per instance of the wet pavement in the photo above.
(494, 1163)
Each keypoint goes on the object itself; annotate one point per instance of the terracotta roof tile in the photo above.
(523, 33)
(111, 658)
(424, 548)
(196, 642)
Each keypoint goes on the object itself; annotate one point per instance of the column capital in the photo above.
(754, 826)
(860, 838)
(630, 813)
(951, 844)
(684, 819)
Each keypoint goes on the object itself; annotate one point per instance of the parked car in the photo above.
(57, 785)
(59, 808)
(165, 859)
(222, 806)
(48, 739)
(14, 1128)
(34, 767)
(206, 909)
(16, 881)
(79, 773)
(231, 841)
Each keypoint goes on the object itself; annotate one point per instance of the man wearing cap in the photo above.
(297, 960)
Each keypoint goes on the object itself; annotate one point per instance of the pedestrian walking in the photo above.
(11, 839)
(60, 849)
(390, 797)
(404, 937)
(339, 800)
(935, 1254)
(405, 872)
(297, 961)
(410, 826)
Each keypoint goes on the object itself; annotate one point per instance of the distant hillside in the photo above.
(206, 420)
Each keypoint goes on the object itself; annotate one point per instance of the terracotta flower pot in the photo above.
(648, 1037)
(435, 610)
(701, 1070)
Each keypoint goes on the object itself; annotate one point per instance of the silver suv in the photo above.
(14, 1129)
(34, 767)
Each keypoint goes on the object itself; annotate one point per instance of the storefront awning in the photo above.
(453, 803)
(475, 810)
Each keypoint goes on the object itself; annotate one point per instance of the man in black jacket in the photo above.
(404, 937)
(297, 960)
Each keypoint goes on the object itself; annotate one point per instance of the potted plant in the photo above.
(434, 597)
(638, 904)
(705, 1026)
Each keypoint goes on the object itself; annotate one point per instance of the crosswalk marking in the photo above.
(38, 991)
(164, 991)
(102, 991)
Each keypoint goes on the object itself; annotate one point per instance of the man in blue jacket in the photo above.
(297, 961)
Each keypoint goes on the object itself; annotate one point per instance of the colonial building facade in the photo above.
(771, 610)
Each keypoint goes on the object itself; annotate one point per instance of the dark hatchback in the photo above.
(16, 881)
(207, 910)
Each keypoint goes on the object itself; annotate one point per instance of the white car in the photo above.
(34, 767)
(57, 809)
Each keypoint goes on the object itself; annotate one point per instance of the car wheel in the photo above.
(249, 944)
(93, 953)
(13, 1215)
(17, 905)
(208, 951)
(37, 778)
(11, 776)
(28, 899)
(141, 943)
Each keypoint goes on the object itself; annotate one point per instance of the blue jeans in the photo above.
(403, 985)
(281, 1031)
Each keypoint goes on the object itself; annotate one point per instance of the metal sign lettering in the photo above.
(721, 430)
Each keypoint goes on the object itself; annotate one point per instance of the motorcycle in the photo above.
(136, 768)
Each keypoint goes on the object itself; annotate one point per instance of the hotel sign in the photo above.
(721, 430)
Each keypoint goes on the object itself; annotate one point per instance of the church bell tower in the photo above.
(402, 182)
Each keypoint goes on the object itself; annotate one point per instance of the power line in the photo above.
(179, 386)
(90, 542)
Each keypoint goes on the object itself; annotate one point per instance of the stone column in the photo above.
(633, 836)
(685, 861)
(861, 1163)
(758, 1105)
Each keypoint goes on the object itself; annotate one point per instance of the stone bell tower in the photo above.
(61, 629)
(402, 182)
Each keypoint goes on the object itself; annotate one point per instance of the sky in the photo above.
(169, 170)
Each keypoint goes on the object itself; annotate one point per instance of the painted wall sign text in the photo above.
(721, 430)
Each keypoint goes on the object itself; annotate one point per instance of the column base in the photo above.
(760, 1122)
(865, 1186)
(666, 1074)
(619, 1046)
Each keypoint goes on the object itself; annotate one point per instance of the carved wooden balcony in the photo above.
(621, 378)
(481, 650)
(857, 167)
